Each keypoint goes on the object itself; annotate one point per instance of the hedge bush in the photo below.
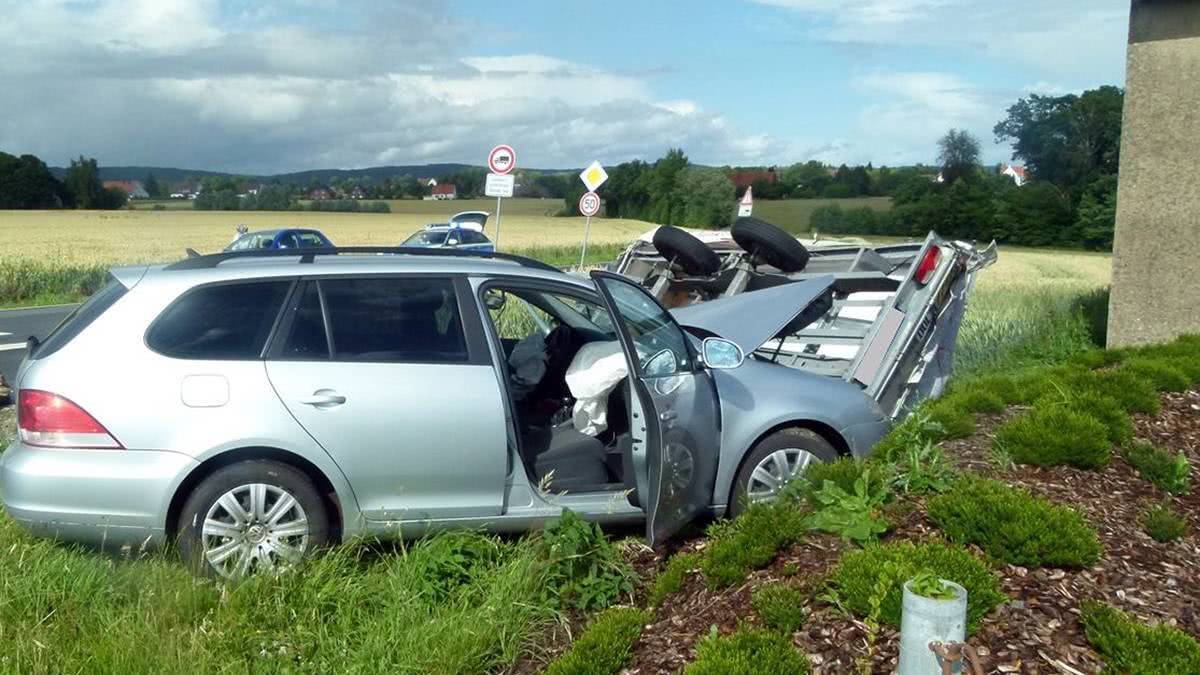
(750, 542)
(1160, 373)
(1163, 524)
(748, 651)
(857, 575)
(1103, 409)
(1052, 435)
(780, 605)
(605, 646)
(843, 471)
(1013, 526)
(670, 580)
(1169, 472)
(1131, 647)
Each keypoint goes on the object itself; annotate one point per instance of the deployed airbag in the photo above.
(598, 367)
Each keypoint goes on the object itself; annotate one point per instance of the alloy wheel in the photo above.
(775, 471)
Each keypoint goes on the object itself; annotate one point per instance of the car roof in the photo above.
(415, 261)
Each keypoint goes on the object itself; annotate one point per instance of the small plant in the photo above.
(842, 472)
(927, 585)
(1160, 373)
(584, 570)
(1131, 647)
(780, 606)
(747, 651)
(917, 428)
(955, 421)
(980, 400)
(853, 516)
(1054, 435)
(923, 469)
(790, 569)
(1099, 407)
(670, 580)
(452, 559)
(750, 542)
(1012, 525)
(860, 574)
(1126, 387)
(1171, 473)
(1163, 524)
(605, 646)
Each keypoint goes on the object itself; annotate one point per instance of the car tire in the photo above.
(216, 541)
(799, 447)
(693, 255)
(769, 244)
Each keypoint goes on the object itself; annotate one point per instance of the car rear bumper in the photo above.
(106, 498)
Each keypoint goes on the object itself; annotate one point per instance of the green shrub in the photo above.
(454, 558)
(748, 651)
(979, 400)
(855, 579)
(1160, 373)
(1131, 647)
(1125, 387)
(1171, 473)
(1012, 525)
(956, 421)
(780, 606)
(750, 541)
(584, 570)
(842, 472)
(1099, 407)
(854, 516)
(916, 429)
(1163, 524)
(1097, 358)
(605, 646)
(670, 580)
(1055, 435)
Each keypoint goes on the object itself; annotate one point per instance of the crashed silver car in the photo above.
(883, 318)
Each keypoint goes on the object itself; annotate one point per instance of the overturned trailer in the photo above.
(887, 319)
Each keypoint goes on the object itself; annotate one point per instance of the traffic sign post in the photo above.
(501, 160)
(589, 204)
(746, 206)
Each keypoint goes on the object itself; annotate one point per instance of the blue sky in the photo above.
(266, 87)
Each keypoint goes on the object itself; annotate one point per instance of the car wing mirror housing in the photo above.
(721, 354)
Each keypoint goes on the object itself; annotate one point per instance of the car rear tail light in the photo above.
(928, 265)
(51, 421)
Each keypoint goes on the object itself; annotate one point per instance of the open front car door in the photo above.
(675, 414)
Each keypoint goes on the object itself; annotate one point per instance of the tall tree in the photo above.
(958, 155)
(83, 183)
(1067, 140)
(152, 186)
(26, 183)
(705, 196)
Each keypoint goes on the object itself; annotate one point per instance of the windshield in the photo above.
(426, 238)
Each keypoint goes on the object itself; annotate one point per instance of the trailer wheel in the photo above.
(769, 244)
(693, 255)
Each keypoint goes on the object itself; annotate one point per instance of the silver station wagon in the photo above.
(254, 406)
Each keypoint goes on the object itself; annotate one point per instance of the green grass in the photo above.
(1132, 647)
(352, 609)
(793, 214)
(749, 542)
(780, 605)
(605, 646)
(1055, 435)
(748, 651)
(1163, 524)
(30, 283)
(670, 580)
(1169, 472)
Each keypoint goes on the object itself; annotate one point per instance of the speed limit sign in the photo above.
(589, 204)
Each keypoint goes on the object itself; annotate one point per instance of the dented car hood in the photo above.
(751, 319)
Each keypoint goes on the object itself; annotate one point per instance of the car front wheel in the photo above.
(251, 517)
(774, 462)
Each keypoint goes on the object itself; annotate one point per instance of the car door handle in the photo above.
(668, 415)
(323, 398)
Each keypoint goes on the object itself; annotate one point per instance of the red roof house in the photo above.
(444, 191)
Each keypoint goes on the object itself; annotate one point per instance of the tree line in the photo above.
(1071, 149)
(27, 183)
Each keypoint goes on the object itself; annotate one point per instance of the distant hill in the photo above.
(372, 174)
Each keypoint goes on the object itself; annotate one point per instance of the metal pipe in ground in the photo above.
(928, 621)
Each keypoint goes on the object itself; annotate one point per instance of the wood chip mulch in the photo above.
(1038, 630)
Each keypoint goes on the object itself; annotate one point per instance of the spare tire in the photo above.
(693, 255)
(769, 244)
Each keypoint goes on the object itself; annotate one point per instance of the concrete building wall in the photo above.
(1156, 251)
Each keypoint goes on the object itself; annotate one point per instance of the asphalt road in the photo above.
(18, 324)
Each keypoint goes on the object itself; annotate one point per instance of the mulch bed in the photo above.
(1038, 630)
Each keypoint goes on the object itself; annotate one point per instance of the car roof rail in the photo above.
(308, 255)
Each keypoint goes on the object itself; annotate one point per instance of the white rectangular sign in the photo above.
(499, 185)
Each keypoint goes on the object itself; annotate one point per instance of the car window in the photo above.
(288, 241)
(426, 238)
(306, 338)
(473, 237)
(661, 345)
(310, 239)
(514, 317)
(394, 320)
(225, 321)
(80, 318)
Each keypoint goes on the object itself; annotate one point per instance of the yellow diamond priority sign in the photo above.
(593, 176)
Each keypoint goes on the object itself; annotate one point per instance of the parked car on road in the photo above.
(464, 231)
(275, 239)
(256, 405)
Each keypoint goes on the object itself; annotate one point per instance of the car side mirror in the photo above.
(721, 354)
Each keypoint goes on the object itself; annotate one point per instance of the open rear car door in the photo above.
(675, 413)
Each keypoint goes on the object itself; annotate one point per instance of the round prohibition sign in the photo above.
(502, 159)
(589, 204)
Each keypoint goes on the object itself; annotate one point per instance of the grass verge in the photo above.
(606, 644)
